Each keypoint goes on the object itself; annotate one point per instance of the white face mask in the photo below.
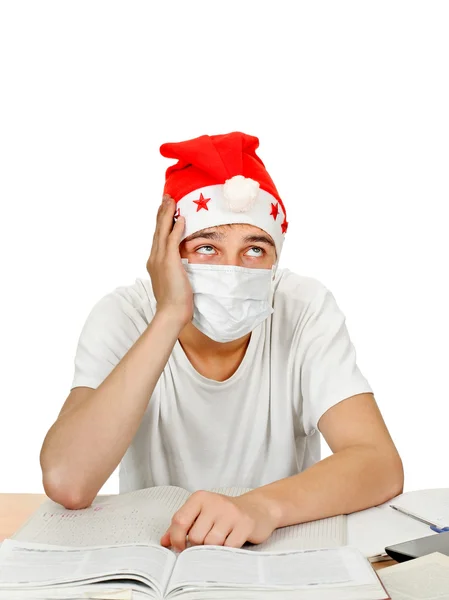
(229, 301)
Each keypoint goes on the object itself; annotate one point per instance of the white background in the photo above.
(350, 103)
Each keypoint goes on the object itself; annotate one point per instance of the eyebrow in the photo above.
(215, 235)
(258, 238)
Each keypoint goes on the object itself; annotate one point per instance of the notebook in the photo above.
(372, 530)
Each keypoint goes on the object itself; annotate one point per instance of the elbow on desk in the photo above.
(68, 495)
(395, 485)
(399, 470)
(62, 485)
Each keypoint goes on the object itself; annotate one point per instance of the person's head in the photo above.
(236, 244)
(235, 223)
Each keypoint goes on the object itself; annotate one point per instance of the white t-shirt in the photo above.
(258, 426)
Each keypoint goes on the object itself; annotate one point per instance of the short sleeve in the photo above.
(108, 333)
(329, 371)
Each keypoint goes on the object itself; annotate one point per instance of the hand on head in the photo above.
(171, 286)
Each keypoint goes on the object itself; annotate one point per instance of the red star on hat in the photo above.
(284, 226)
(274, 211)
(202, 202)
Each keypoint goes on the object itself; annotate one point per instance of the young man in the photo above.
(222, 370)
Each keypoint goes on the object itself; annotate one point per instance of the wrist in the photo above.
(172, 314)
(171, 317)
(269, 504)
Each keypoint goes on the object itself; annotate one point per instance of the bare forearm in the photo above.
(348, 481)
(86, 443)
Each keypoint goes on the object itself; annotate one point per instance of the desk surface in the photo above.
(16, 508)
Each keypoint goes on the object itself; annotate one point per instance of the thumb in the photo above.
(165, 539)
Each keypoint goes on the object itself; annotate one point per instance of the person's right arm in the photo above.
(95, 426)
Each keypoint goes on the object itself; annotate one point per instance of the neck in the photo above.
(195, 341)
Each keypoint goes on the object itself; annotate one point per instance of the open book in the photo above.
(36, 571)
(112, 548)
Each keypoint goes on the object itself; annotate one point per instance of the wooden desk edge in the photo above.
(15, 509)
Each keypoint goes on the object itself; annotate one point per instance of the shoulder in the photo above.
(137, 297)
(112, 326)
(126, 306)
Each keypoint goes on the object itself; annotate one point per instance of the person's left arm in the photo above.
(364, 470)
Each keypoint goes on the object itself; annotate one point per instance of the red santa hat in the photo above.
(219, 180)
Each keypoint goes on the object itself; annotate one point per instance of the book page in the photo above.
(426, 578)
(27, 564)
(231, 491)
(141, 516)
(216, 566)
(324, 533)
(95, 591)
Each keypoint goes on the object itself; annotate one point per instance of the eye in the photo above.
(202, 248)
(260, 252)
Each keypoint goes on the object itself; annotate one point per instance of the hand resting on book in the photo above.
(216, 519)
